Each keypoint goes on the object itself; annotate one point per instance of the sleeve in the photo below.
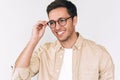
(28, 72)
(106, 67)
(21, 74)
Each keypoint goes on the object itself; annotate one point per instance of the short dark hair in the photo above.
(71, 8)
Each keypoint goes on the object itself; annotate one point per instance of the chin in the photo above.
(62, 39)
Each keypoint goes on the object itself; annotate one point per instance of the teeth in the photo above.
(60, 32)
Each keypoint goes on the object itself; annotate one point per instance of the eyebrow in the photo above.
(57, 19)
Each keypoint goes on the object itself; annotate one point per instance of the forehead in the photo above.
(58, 13)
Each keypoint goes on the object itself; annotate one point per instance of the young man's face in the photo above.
(65, 31)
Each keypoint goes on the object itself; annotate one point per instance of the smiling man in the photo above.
(71, 57)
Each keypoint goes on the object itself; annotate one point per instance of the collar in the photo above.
(77, 44)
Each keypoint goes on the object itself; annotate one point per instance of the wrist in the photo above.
(33, 41)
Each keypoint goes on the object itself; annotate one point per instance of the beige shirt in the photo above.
(89, 62)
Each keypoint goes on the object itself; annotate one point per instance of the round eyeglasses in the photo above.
(61, 22)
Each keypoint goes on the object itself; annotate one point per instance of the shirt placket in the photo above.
(58, 63)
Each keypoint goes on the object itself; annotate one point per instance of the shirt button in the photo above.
(61, 56)
(57, 70)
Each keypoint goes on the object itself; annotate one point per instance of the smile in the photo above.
(60, 33)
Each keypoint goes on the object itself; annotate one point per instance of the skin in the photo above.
(65, 34)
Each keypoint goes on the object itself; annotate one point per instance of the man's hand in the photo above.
(38, 31)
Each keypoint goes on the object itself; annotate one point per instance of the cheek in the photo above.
(53, 31)
(70, 27)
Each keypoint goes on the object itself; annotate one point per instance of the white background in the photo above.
(98, 20)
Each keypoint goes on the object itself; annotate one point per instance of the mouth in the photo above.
(60, 33)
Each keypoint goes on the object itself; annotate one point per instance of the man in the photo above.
(71, 57)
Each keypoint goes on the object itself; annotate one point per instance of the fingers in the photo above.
(39, 30)
(40, 25)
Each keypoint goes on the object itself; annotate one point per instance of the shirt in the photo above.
(90, 61)
(66, 70)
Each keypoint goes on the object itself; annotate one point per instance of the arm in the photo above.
(106, 68)
(24, 59)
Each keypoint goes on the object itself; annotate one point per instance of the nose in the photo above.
(57, 26)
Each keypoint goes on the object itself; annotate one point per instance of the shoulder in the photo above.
(95, 48)
(97, 51)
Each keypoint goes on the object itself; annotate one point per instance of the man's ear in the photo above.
(74, 20)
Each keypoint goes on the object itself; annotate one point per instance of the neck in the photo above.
(70, 42)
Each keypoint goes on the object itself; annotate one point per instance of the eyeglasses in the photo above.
(61, 22)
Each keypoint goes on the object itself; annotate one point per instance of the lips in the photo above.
(60, 33)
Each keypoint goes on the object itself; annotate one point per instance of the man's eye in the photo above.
(51, 22)
(62, 20)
